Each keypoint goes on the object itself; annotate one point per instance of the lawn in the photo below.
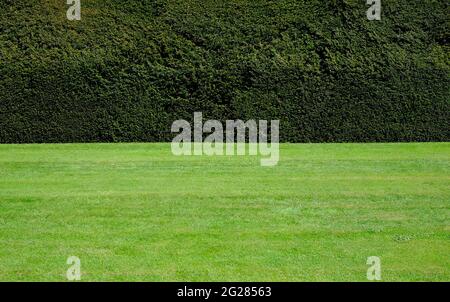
(136, 212)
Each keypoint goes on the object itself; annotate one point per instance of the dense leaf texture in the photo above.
(129, 68)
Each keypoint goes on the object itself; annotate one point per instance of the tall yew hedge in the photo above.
(129, 68)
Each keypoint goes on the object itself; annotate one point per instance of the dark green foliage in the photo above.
(129, 68)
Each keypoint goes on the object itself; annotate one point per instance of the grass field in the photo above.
(136, 212)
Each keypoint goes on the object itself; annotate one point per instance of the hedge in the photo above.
(129, 68)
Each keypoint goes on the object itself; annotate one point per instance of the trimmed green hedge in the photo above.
(129, 68)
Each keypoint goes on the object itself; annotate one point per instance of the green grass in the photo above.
(136, 212)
